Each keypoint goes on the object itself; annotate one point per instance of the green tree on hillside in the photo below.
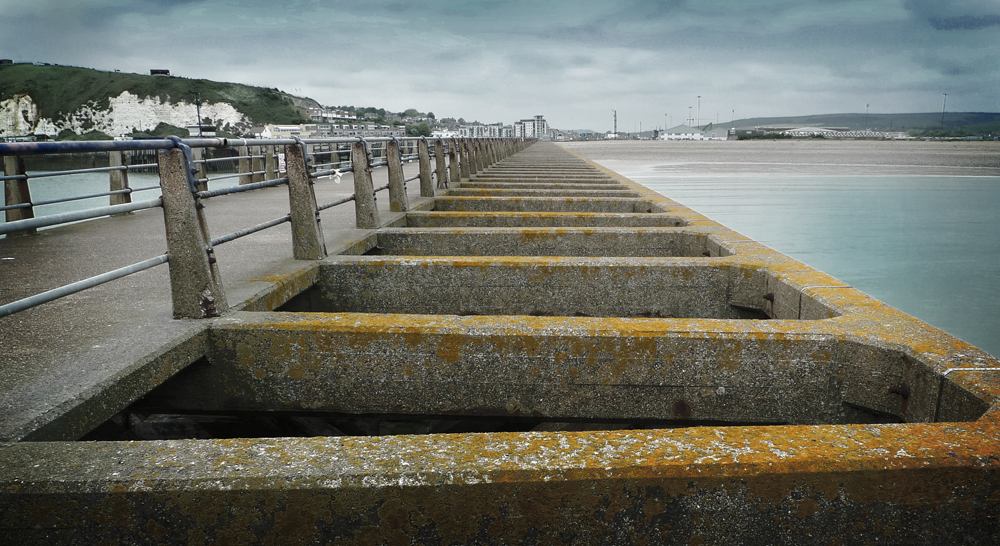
(418, 129)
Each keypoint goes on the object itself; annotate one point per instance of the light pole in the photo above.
(197, 103)
(615, 114)
(699, 110)
(690, 119)
(943, 104)
(866, 118)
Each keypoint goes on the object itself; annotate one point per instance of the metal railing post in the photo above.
(439, 161)
(364, 192)
(424, 157)
(397, 192)
(118, 180)
(195, 283)
(16, 192)
(244, 165)
(454, 161)
(307, 233)
(257, 163)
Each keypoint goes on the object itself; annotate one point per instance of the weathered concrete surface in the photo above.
(545, 286)
(543, 204)
(542, 242)
(827, 484)
(534, 219)
(930, 479)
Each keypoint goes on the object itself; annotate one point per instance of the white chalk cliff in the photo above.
(126, 113)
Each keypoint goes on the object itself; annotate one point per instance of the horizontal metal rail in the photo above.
(79, 197)
(227, 176)
(79, 286)
(243, 188)
(244, 232)
(17, 206)
(66, 217)
(321, 174)
(332, 204)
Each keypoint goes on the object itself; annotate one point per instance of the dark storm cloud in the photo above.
(570, 60)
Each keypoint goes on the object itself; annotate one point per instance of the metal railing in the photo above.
(183, 171)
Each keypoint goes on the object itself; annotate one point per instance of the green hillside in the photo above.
(60, 90)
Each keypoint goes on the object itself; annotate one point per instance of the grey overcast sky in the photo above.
(503, 60)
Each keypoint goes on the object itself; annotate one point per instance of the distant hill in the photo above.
(69, 99)
(971, 122)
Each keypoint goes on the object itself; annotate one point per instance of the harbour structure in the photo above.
(588, 360)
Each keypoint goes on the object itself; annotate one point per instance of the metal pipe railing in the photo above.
(79, 286)
(66, 217)
(374, 152)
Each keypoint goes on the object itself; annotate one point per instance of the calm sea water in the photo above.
(57, 187)
(927, 245)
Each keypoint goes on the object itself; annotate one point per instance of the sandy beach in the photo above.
(799, 157)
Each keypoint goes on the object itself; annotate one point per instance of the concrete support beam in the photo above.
(470, 144)
(118, 180)
(364, 191)
(441, 166)
(466, 153)
(195, 282)
(307, 234)
(257, 163)
(454, 153)
(397, 191)
(424, 158)
(544, 204)
(481, 161)
(271, 163)
(244, 165)
(16, 192)
(832, 484)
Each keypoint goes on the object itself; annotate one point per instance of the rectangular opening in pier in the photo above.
(429, 219)
(539, 286)
(355, 375)
(545, 204)
(625, 242)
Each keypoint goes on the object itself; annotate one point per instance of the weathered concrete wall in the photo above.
(535, 219)
(648, 242)
(551, 286)
(695, 371)
(544, 204)
(746, 485)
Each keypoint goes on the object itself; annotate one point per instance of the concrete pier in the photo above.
(543, 362)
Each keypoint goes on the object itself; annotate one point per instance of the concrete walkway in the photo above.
(57, 357)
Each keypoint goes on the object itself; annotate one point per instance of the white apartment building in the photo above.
(535, 127)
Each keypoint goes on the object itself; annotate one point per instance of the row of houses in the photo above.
(535, 127)
(328, 130)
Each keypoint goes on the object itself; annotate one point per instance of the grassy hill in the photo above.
(60, 90)
(965, 122)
